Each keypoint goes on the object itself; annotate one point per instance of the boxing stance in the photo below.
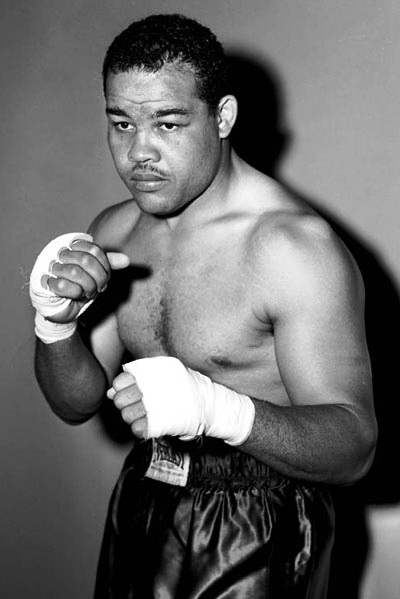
(226, 325)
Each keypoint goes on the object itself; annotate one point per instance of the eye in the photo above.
(123, 126)
(168, 126)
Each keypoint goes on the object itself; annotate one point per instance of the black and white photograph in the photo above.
(201, 300)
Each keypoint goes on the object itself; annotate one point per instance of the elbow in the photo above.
(366, 462)
(363, 452)
(69, 416)
(75, 420)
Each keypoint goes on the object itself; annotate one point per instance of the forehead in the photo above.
(137, 87)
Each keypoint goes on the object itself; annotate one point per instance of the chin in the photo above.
(157, 206)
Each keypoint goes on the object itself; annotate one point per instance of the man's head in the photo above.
(168, 116)
(160, 40)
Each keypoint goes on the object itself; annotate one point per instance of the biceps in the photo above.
(322, 356)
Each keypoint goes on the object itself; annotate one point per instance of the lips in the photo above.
(146, 177)
(147, 181)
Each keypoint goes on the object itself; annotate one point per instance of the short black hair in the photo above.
(162, 39)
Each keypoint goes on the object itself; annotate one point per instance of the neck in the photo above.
(214, 199)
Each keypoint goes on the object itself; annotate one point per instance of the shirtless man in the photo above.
(248, 391)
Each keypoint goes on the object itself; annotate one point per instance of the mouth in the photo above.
(147, 181)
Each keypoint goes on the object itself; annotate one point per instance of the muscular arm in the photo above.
(72, 379)
(328, 432)
(322, 443)
(72, 375)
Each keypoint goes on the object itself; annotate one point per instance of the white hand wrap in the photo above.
(180, 401)
(43, 300)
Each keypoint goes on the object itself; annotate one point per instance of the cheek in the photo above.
(200, 155)
(200, 172)
(119, 155)
(112, 146)
(206, 159)
(116, 143)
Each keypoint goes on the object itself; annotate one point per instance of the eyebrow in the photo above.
(170, 111)
(115, 111)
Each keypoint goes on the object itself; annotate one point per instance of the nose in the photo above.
(143, 148)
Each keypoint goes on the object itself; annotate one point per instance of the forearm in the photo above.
(323, 443)
(327, 443)
(70, 378)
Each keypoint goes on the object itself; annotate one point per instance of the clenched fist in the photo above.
(67, 276)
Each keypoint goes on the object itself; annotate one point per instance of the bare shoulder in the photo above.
(296, 254)
(113, 226)
(289, 234)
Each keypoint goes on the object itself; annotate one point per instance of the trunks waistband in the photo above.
(208, 461)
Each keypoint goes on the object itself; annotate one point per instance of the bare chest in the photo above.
(197, 305)
(197, 313)
(201, 306)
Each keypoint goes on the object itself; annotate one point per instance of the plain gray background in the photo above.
(338, 69)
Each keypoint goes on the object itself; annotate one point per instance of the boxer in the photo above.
(231, 341)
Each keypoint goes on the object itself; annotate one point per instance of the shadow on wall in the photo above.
(261, 137)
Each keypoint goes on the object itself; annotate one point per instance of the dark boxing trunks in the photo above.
(237, 530)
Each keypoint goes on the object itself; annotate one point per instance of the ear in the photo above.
(226, 115)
